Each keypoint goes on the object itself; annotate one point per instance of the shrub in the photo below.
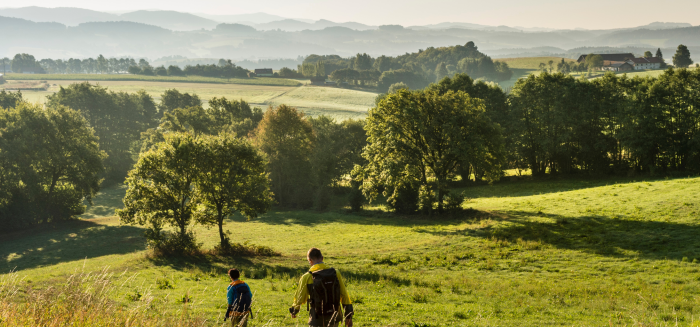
(453, 202)
(356, 198)
(405, 199)
(244, 250)
(165, 243)
(426, 200)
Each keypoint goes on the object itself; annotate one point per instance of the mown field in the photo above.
(170, 79)
(338, 103)
(574, 252)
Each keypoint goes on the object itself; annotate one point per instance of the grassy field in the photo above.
(522, 67)
(169, 79)
(338, 103)
(575, 252)
(532, 63)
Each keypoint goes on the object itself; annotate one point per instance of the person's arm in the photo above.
(345, 300)
(301, 295)
(231, 294)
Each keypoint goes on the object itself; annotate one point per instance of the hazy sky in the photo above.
(592, 14)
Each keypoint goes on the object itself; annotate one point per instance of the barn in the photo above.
(264, 72)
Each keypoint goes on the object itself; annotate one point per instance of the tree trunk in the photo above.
(220, 221)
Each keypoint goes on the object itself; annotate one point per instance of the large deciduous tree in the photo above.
(287, 139)
(421, 137)
(49, 163)
(232, 179)
(161, 187)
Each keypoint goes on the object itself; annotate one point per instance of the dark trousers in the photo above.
(324, 321)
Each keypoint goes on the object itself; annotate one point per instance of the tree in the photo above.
(594, 61)
(420, 137)
(102, 64)
(161, 188)
(50, 162)
(660, 56)
(9, 99)
(440, 71)
(345, 75)
(682, 57)
(397, 86)
(647, 54)
(118, 120)
(172, 99)
(287, 139)
(362, 62)
(232, 178)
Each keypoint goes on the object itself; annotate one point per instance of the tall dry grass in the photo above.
(82, 300)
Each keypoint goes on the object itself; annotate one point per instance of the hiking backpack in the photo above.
(324, 292)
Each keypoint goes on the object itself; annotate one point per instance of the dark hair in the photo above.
(233, 273)
(315, 254)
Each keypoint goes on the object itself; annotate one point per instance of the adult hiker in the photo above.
(323, 290)
(239, 300)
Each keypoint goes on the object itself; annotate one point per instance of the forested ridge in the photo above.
(410, 150)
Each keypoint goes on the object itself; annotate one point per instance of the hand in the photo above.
(348, 322)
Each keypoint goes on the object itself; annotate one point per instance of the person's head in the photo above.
(234, 273)
(314, 256)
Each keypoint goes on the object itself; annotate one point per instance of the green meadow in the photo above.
(523, 252)
(313, 100)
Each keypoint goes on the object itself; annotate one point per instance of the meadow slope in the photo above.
(575, 252)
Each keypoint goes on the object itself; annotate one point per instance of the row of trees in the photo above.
(224, 69)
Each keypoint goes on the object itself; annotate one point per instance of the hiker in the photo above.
(239, 300)
(323, 291)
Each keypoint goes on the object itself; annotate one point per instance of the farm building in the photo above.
(609, 56)
(2, 79)
(645, 63)
(617, 66)
(264, 72)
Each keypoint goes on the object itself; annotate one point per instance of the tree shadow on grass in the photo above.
(218, 266)
(67, 241)
(615, 237)
(309, 218)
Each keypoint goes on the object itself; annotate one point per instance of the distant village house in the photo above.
(645, 63)
(617, 66)
(609, 56)
(264, 72)
(620, 62)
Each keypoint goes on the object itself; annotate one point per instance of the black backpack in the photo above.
(324, 292)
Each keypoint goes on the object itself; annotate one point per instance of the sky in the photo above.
(590, 14)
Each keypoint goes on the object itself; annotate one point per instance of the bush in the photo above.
(426, 200)
(356, 198)
(165, 243)
(404, 200)
(244, 250)
(453, 202)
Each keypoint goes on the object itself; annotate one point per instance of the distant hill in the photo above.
(173, 20)
(64, 15)
(289, 25)
(248, 19)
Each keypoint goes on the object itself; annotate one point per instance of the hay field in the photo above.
(338, 103)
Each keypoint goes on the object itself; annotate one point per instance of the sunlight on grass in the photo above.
(566, 251)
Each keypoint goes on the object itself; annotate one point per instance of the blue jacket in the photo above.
(239, 296)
